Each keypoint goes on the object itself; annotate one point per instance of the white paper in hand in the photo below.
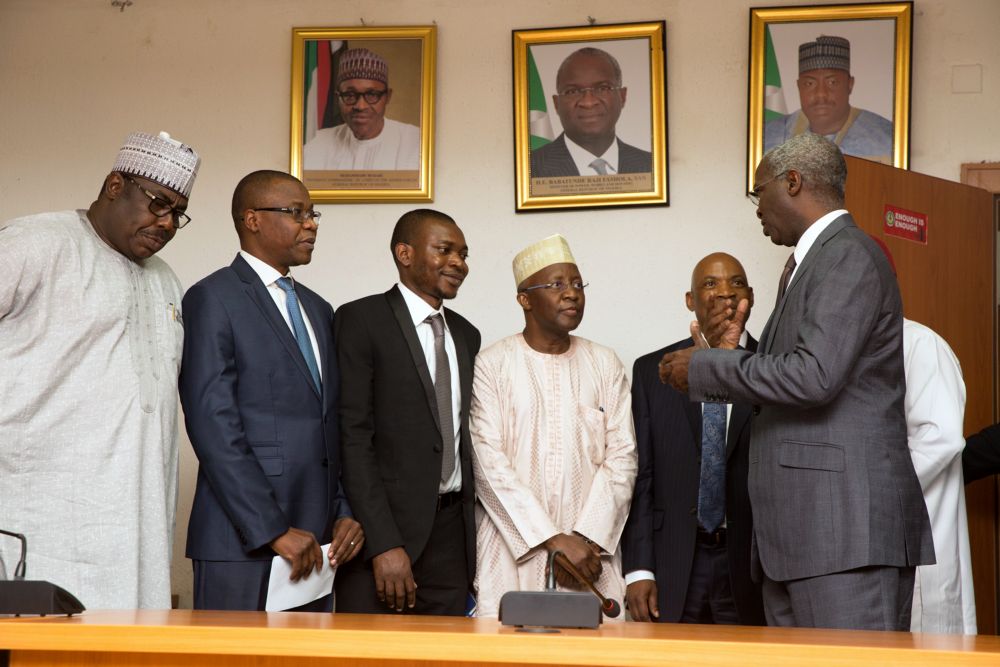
(283, 593)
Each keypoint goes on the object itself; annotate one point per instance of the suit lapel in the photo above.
(314, 312)
(258, 294)
(801, 272)
(405, 321)
(562, 158)
(739, 417)
(465, 386)
(464, 365)
(693, 411)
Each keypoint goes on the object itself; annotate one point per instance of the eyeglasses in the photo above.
(603, 90)
(371, 96)
(754, 195)
(161, 207)
(300, 214)
(558, 286)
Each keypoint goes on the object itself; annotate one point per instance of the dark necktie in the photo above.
(712, 485)
(299, 328)
(786, 275)
(442, 391)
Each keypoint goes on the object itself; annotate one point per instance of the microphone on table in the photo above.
(609, 606)
(537, 611)
(18, 596)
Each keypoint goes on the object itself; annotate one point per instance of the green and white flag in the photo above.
(774, 97)
(309, 109)
(539, 125)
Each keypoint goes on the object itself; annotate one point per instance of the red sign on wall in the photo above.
(905, 224)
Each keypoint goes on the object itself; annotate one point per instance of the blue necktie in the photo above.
(299, 328)
(712, 487)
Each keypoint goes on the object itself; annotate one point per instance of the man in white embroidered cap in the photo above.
(366, 139)
(91, 327)
(553, 447)
(825, 84)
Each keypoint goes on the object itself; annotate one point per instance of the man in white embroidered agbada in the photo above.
(553, 445)
(92, 332)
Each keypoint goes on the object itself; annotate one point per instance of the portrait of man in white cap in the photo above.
(367, 139)
(92, 332)
(825, 85)
(553, 445)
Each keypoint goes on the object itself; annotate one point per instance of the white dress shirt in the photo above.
(419, 311)
(269, 276)
(809, 237)
(640, 575)
(582, 157)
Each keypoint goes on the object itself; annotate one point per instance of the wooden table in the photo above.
(221, 639)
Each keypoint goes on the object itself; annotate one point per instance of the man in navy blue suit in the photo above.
(259, 388)
(682, 562)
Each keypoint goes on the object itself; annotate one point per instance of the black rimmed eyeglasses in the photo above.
(371, 96)
(161, 207)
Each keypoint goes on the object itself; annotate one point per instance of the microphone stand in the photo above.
(610, 607)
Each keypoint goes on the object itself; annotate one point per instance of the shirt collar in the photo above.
(582, 157)
(268, 274)
(812, 233)
(419, 309)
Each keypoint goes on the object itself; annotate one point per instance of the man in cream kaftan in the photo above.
(91, 335)
(554, 450)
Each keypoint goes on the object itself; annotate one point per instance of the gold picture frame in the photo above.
(336, 165)
(636, 170)
(879, 37)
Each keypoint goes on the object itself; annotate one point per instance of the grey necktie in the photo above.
(786, 275)
(600, 165)
(442, 391)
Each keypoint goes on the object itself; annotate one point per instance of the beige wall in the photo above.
(77, 75)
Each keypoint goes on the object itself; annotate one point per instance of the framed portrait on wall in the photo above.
(842, 71)
(590, 125)
(362, 125)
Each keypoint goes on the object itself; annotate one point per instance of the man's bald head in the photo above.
(717, 277)
(249, 189)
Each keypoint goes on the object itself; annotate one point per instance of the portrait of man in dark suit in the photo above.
(259, 388)
(406, 376)
(589, 99)
(687, 540)
(839, 516)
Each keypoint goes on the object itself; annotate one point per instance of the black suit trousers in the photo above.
(441, 574)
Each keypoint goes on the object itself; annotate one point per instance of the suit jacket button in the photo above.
(756, 410)
(693, 510)
(326, 463)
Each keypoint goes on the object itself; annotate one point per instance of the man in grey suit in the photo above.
(589, 99)
(839, 518)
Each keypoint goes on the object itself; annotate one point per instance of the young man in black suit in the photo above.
(406, 375)
(684, 562)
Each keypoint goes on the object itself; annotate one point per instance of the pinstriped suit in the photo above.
(831, 480)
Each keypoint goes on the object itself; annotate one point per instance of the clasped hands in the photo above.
(581, 552)
(723, 328)
(300, 548)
